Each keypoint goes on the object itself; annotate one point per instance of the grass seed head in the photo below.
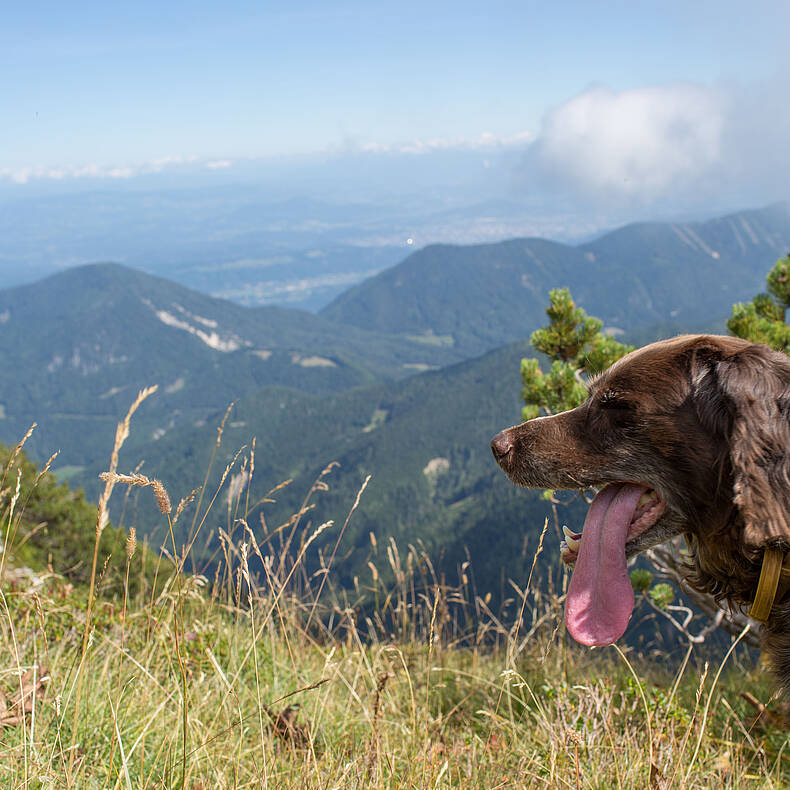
(130, 480)
(162, 499)
(131, 543)
(184, 502)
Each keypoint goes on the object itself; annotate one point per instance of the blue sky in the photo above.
(112, 88)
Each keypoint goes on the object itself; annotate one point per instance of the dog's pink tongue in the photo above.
(600, 596)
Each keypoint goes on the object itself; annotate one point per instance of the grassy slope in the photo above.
(404, 705)
(400, 707)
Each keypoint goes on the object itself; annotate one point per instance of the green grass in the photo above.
(279, 678)
(388, 712)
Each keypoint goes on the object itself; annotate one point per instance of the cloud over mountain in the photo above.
(673, 144)
(643, 141)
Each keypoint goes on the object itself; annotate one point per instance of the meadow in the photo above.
(264, 672)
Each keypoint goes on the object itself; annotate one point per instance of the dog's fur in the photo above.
(705, 421)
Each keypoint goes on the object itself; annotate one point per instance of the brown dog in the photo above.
(685, 436)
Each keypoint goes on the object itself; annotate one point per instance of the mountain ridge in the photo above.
(82, 342)
(643, 273)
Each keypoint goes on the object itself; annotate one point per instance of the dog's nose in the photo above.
(501, 446)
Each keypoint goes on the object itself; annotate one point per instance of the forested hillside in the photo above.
(424, 441)
(83, 342)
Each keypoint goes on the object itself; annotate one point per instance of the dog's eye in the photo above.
(611, 399)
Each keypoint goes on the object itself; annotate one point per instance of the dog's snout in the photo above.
(501, 445)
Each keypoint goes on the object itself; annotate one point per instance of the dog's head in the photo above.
(689, 435)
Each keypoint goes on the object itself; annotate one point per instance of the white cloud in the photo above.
(484, 141)
(671, 147)
(23, 175)
(643, 141)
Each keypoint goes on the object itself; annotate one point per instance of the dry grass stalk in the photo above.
(194, 532)
(764, 714)
(17, 449)
(185, 501)
(337, 542)
(11, 526)
(102, 517)
(202, 488)
(374, 755)
(131, 543)
(162, 499)
(517, 625)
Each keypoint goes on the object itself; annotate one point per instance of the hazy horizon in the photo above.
(335, 138)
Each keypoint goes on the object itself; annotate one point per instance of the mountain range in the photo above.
(478, 297)
(404, 377)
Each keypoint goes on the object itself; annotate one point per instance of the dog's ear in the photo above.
(752, 404)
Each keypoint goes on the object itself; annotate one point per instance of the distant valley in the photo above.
(266, 243)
